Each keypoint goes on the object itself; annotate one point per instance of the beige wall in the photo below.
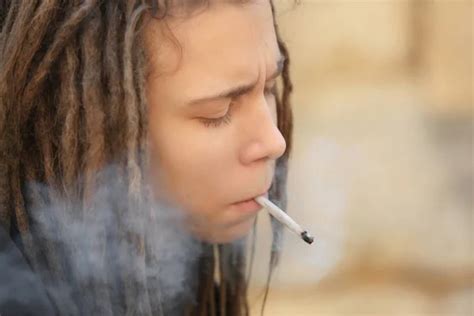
(382, 169)
(445, 58)
(370, 40)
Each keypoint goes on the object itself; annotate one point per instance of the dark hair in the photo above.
(71, 100)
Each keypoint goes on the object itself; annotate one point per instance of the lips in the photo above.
(264, 193)
(248, 206)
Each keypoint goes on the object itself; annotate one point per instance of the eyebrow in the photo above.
(242, 89)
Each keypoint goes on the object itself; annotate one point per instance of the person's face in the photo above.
(209, 148)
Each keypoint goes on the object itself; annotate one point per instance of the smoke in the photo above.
(18, 285)
(89, 250)
(280, 199)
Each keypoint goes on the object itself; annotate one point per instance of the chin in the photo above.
(227, 235)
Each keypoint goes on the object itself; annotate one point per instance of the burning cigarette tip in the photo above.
(307, 237)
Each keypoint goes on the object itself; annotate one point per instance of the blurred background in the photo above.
(382, 167)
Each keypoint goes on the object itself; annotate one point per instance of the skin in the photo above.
(205, 166)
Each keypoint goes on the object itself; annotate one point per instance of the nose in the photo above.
(265, 139)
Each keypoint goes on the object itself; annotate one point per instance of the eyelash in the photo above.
(218, 121)
(226, 119)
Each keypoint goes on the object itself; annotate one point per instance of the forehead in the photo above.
(221, 45)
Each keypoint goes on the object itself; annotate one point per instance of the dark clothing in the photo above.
(21, 291)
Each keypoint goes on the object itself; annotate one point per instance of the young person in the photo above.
(110, 108)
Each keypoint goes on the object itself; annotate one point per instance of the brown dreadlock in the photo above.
(72, 100)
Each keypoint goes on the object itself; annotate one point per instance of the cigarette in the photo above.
(283, 218)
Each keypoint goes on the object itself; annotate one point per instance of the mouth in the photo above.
(249, 204)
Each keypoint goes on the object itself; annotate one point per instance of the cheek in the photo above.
(192, 161)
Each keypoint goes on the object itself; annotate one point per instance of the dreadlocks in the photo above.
(72, 100)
